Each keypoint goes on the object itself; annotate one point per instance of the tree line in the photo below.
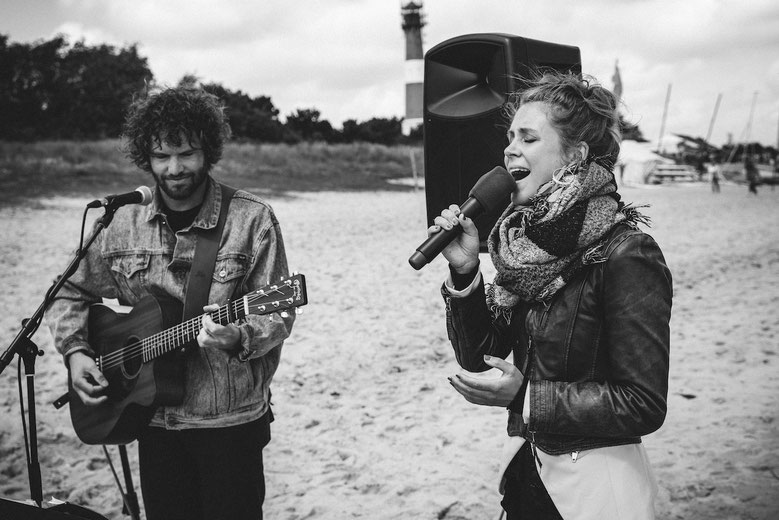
(50, 89)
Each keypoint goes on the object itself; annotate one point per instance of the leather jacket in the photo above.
(595, 356)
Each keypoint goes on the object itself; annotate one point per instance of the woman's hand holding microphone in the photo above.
(462, 253)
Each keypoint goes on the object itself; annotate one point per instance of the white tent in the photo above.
(671, 143)
(635, 160)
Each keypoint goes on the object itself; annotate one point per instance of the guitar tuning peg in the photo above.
(284, 314)
(298, 310)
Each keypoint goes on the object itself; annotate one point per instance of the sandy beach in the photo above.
(367, 425)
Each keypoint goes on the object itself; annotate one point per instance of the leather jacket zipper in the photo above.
(529, 365)
(533, 446)
(529, 374)
(451, 329)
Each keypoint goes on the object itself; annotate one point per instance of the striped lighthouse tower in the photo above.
(415, 64)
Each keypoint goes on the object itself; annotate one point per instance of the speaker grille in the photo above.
(466, 80)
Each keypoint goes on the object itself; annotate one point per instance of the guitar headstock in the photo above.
(289, 293)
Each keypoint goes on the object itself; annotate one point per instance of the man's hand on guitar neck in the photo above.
(223, 337)
(86, 379)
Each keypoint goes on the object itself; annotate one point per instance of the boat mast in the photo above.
(665, 114)
(713, 117)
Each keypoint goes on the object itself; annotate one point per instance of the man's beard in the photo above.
(185, 185)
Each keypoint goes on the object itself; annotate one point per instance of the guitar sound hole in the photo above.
(122, 377)
(132, 360)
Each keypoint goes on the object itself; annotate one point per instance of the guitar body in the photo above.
(140, 354)
(136, 388)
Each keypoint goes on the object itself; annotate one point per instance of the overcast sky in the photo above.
(345, 57)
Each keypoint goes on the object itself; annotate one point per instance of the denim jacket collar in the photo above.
(208, 215)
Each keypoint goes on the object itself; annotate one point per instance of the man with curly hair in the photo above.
(200, 458)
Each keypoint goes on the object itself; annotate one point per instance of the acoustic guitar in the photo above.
(140, 355)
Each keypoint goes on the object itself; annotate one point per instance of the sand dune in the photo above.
(367, 425)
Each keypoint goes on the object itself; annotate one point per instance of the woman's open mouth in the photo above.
(519, 173)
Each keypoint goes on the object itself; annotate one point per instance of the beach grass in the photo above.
(72, 168)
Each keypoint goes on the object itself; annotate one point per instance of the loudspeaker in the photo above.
(467, 81)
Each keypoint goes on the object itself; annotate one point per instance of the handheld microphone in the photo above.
(142, 195)
(486, 194)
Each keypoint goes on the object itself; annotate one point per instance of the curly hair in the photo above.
(173, 113)
(581, 110)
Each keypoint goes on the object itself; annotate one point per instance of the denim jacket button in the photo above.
(222, 273)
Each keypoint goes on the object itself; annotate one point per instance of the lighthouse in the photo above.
(415, 64)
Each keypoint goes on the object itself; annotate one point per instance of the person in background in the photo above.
(713, 170)
(752, 176)
(201, 459)
(581, 299)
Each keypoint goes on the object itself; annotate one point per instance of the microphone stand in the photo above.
(27, 350)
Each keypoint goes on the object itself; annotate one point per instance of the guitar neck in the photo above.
(180, 335)
(289, 293)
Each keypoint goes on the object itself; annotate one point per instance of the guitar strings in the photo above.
(170, 336)
(188, 329)
(158, 341)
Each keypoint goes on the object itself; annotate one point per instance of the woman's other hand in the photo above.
(490, 391)
(462, 253)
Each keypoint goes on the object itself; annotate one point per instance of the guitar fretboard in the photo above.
(178, 336)
(269, 299)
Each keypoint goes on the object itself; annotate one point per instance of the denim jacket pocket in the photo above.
(132, 268)
(229, 271)
(229, 267)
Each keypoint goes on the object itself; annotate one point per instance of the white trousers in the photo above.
(612, 483)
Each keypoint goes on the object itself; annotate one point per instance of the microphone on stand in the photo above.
(142, 195)
(486, 194)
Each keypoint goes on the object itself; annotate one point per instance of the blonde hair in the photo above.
(580, 109)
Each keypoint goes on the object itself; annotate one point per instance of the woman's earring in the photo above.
(568, 170)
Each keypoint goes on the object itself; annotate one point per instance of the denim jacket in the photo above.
(139, 255)
(595, 357)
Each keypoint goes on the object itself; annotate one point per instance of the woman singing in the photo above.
(581, 298)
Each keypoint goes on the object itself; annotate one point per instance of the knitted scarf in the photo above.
(537, 249)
